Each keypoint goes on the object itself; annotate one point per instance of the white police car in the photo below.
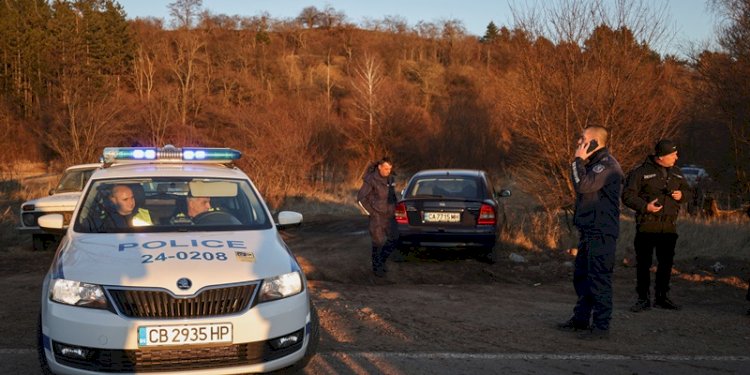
(173, 263)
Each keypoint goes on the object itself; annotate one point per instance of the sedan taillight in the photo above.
(487, 215)
(401, 216)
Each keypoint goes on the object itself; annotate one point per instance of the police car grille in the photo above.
(175, 359)
(156, 304)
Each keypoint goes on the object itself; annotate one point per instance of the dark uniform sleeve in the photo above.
(592, 181)
(630, 195)
(363, 196)
(687, 191)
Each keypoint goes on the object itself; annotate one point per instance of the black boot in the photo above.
(643, 303)
(662, 301)
(572, 325)
(378, 268)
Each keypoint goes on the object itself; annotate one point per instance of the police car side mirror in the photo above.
(288, 219)
(52, 223)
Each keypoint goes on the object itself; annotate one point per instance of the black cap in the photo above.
(665, 147)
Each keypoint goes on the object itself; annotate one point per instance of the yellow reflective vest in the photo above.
(142, 218)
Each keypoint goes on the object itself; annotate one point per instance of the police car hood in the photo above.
(159, 260)
(58, 201)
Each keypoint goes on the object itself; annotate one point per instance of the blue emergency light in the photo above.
(169, 153)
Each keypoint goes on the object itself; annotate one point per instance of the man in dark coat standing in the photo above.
(378, 198)
(655, 190)
(597, 179)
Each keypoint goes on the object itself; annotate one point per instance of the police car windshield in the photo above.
(170, 204)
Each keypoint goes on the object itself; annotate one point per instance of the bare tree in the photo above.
(82, 126)
(186, 61)
(185, 12)
(366, 85)
(309, 17)
(726, 83)
(588, 64)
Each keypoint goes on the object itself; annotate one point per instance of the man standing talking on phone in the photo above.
(655, 190)
(597, 179)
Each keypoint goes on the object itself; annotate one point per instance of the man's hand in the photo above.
(653, 206)
(581, 151)
(677, 195)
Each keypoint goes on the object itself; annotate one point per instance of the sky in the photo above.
(690, 20)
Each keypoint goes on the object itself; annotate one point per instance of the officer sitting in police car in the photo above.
(125, 213)
(195, 207)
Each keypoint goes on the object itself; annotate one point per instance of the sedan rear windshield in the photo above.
(446, 187)
(170, 204)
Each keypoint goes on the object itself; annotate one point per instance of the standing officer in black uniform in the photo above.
(597, 179)
(378, 198)
(655, 190)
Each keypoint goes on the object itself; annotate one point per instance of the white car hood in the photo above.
(62, 201)
(154, 259)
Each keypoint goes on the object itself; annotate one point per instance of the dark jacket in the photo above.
(598, 185)
(377, 194)
(651, 181)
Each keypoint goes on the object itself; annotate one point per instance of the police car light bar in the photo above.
(169, 153)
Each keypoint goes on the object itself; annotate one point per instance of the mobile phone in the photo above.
(593, 144)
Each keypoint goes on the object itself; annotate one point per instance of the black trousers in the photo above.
(645, 246)
(592, 280)
(384, 233)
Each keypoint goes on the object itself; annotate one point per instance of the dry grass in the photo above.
(14, 190)
(317, 203)
(714, 238)
(536, 231)
(699, 237)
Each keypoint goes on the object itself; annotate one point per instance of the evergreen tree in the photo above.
(491, 34)
(23, 41)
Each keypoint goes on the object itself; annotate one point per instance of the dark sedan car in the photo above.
(450, 208)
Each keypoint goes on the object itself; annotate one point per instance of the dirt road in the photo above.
(438, 313)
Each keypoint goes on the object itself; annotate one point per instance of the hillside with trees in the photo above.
(311, 100)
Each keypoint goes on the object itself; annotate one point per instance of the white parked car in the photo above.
(174, 264)
(62, 199)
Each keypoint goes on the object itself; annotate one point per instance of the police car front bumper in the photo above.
(104, 342)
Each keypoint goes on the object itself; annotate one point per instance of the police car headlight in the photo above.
(76, 293)
(282, 286)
